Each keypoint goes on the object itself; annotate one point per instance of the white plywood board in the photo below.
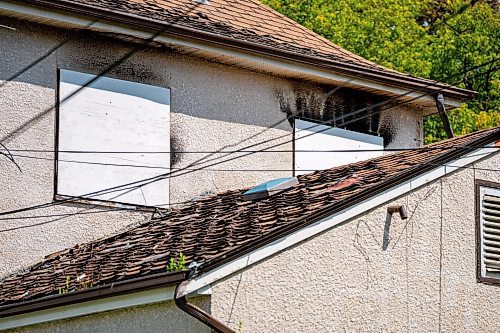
(311, 136)
(112, 116)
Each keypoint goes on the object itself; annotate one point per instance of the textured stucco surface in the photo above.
(161, 317)
(368, 275)
(213, 106)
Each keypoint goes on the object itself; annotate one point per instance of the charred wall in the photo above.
(341, 107)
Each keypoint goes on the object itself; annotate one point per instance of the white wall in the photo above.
(375, 273)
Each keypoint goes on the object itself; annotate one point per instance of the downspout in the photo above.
(198, 313)
(442, 114)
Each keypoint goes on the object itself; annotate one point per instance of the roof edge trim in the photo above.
(337, 216)
(88, 308)
(386, 77)
(92, 294)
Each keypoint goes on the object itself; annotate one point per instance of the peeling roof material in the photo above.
(213, 230)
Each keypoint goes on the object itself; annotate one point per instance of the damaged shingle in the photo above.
(217, 226)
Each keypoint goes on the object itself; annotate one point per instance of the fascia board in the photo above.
(90, 307)
(150, 296)
(269, 62)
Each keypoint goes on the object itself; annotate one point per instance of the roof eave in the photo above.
(349, 69)
(94, 293)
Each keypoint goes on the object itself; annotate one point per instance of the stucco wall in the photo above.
(213, 106)
(369, 275)
(161, 317)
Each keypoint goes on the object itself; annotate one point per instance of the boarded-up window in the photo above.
(489, 233)
(311, 138)
(109, 134)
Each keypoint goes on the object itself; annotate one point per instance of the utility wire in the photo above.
(174, 174)
(91, 152)
(61, 216)
(85, 211)
(171, 175)
(192, 201)
(164, 176)
(144, 182)
(256, 152)
(6, 152)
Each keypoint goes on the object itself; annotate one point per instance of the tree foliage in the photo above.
(447, 40)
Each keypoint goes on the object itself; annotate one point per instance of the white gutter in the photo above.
(270, 64)
(90, 307)
(336, 219)
(97, 306)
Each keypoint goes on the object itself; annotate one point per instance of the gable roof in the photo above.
(248, 25)
(214, 230)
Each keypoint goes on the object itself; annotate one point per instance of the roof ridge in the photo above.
(442, 142)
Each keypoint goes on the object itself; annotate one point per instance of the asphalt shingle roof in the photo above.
(247, 20)
(249, 25)
(219, 227)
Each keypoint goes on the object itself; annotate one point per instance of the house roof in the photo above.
(216, 229)
(245, 24)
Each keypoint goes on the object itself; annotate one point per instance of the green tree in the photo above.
(465, 35)
(441, 40)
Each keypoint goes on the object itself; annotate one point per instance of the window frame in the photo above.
(479, 272)
(83, 200)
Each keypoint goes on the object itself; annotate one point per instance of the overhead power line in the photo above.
(347, 151)
(176, 174)
(6, 152)
(167, 175)
(111, 210)
(91, 152)
(137, 184)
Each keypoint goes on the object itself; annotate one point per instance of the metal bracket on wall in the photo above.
(442, 114)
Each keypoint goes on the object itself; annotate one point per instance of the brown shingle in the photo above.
(246, 20)
(223, 225)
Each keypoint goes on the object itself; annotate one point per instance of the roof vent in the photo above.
(269, 188)
(203, 2)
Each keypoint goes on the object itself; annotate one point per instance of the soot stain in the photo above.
(285, 106)
(175, 150)
(341, 109)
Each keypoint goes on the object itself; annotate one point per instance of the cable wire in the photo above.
(256, 152)
(166, 175)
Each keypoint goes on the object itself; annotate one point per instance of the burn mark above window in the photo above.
(341, 109)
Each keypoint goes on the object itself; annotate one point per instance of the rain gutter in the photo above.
(46, 308)
(91, 294)
(350, 69)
